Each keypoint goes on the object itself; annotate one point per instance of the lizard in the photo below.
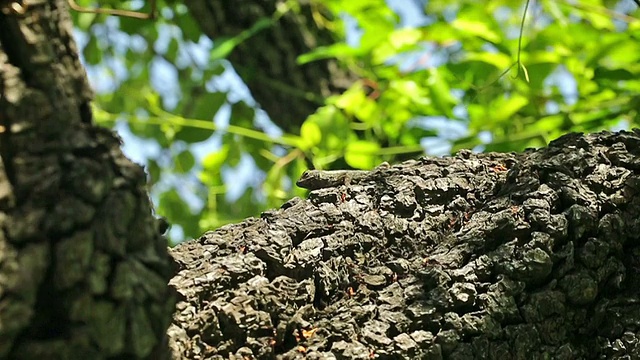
(320, 179)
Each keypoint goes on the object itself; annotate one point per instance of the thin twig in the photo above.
(117, 12)
(524, 17)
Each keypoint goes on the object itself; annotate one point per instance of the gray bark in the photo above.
(490, 256)
(83, 266)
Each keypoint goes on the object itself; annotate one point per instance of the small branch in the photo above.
(126, 13)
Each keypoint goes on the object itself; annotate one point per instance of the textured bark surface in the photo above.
(493, 256)
(83, 265)
(266, 62)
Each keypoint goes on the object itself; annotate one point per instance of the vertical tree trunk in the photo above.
(83, 265)
(266, 62)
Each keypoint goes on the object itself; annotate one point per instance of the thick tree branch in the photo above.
(498, 256)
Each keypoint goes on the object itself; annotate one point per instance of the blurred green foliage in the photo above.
(456, 64)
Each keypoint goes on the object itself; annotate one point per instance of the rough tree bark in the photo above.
(83, 265)
(499, 256)
(490, 256)
(266, 62)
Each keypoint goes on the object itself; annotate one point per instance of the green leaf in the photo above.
(599, 20)
(172, 50)
(184, 162)
(172, 206)
(212, 165)
(216, 69)
(92, 52)
(190, 29)
(525, 72)
(405, 36)
(235, 150)
(412, 135)
(499, 60)
(441, 96)
(144, 130)
(206, 108)
(441, 33)
(255, 146)
(350, 99)
(242, 114)
(335, 129)
(355, 102)
(224, 46)
(550, 123)
(552, 57)
(177, 212)
(614, 74)
(208, 105)
(627, 53)
(154, 171)
(213, 161)
(504, 108)
(311, 135)
(132, 25)
(84, 20)
(477, 28)
(539, 73)
(362, 154)
(339, 50)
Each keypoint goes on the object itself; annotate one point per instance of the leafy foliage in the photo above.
(509, 81)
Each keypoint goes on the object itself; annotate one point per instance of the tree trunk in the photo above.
(489, 256)
(266, 62)
(83, 265)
